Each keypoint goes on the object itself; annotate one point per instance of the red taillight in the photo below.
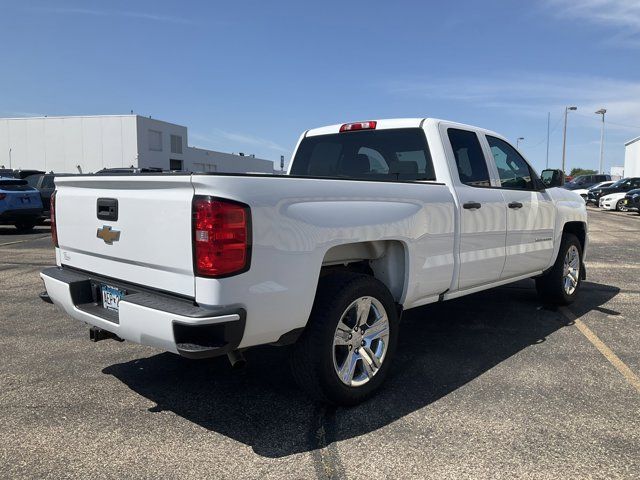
(221, 237)
(349, 127)
(52, 213)
(3, 196)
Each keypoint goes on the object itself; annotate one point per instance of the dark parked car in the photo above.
(43, 182)
(586, 181)
(111, 171)
(26, 173)
(10, 173)
(622, 185)
(632, 200)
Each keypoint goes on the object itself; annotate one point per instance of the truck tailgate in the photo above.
(149, 243)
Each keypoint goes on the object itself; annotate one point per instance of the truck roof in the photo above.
(388, 123)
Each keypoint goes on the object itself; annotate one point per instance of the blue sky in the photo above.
(250, 76)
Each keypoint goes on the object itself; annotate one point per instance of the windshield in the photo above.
(578, 180)
(618, 183)
(383, 155)
(33, 179)
(601, 185)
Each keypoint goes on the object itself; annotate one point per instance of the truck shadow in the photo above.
(442, 347)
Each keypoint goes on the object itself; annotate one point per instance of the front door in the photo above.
(530, 213)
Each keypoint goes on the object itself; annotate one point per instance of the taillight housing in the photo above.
(350, 127)
(52, 213)
(221, 237)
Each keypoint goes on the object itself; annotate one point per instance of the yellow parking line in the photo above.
(613, 359)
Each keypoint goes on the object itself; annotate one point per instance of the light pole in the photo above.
(548, 122)
(564, 136)
(602, 111)
(518, 141)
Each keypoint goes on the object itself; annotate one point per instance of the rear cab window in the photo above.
(469, 157)
(382, 155)
(17, 185)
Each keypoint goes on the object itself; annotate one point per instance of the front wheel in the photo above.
(560, 285)
(345, 352)
(621, 207)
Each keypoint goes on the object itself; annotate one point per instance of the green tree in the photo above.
(581, 171)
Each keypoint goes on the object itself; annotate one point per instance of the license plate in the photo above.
(111, 297)
(26, 200)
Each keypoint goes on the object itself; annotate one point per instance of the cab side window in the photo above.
(470, 160)
(514, 171)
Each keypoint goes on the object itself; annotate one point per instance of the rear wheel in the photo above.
(25, 225)
(560, 285)
(345, 352)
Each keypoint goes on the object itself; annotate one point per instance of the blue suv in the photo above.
(20, 204)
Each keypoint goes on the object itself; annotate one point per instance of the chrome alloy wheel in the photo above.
(571, 270)
(360, 341)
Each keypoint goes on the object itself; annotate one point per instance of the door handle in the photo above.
(515, 205)
(107, 209)
(471, 205)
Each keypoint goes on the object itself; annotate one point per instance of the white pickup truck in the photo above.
(372, 219)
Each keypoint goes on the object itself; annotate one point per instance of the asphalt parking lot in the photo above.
(488, 386)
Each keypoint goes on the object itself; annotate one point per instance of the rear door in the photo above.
(133, 228)
(483, 216)
(530, 213)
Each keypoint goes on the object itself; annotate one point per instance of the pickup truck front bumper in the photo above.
(147, 317)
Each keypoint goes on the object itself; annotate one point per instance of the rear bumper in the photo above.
(20, 214)
(156, 319)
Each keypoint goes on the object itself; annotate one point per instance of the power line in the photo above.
(609, 122)
(537, 144)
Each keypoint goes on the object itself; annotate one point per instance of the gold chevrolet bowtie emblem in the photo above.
(108, 235)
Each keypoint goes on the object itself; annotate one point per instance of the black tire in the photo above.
(550, 286)
(621, 207)
(312, 359)
(25, 225)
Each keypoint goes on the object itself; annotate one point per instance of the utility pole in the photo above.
(564, 136)
(10, 159)
(518, 142)
(548, 122)
(602, 111)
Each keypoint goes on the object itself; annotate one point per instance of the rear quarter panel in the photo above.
(295, 221)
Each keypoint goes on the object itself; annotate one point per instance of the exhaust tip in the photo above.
(44, 296)
(97, 334)
(237, 360)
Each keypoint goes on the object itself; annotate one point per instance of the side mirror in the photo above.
(552, 178)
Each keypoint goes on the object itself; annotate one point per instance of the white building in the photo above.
(632, 158)
(90, 143)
